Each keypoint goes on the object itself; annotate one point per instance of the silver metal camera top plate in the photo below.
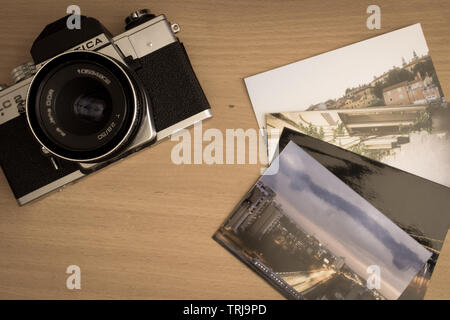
(146, 38)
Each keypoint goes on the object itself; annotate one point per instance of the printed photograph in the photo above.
(311, 236)
(380, 98)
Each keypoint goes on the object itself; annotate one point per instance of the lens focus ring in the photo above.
(83, 106)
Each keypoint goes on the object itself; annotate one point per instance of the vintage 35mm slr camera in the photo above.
(90, 99)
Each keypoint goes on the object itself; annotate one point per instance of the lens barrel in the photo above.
(83, 106)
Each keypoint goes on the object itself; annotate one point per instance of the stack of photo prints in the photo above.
(355, 203)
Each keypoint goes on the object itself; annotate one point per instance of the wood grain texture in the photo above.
(142, 228)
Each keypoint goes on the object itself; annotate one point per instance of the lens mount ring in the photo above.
(83, 106)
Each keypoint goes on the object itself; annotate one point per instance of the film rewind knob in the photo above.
(138, 17)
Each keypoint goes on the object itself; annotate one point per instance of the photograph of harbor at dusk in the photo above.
(312, 237)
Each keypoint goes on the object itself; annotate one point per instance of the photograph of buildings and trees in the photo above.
(400, 118)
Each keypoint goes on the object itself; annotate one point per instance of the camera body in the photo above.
(90, 99)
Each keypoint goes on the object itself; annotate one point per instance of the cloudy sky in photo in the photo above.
(347, 224)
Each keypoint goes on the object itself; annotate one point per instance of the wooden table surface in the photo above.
(142, 228)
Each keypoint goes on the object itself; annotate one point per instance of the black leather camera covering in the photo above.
(172, 85)
(22, 161)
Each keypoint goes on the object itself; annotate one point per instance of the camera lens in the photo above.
(83, 106)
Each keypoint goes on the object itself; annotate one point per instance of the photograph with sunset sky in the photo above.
(311, 234)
